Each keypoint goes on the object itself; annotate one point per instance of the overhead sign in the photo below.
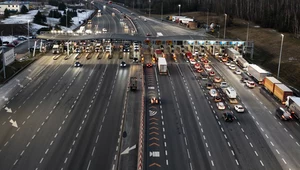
(9, 57)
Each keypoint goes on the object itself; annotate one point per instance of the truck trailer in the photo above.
(162, 65)
(242, 62)
(257, 73)
(269, 83)
(281, 92)
(55, 49)
(233, 54)
(293, 105)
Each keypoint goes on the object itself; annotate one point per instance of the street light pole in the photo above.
(66, 17)
(28, 39)
(179, 8)
(149, 7)
(207, 18)
(162, 8)
(225, 26)
(1, 37)
(282, 36)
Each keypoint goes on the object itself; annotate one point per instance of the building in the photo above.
(12, 6)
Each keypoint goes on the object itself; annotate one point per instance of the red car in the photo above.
(149, 65)
(212, 73)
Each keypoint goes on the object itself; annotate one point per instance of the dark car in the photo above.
(77, 64)
(283, 114)
(123, 64)
(228, 117)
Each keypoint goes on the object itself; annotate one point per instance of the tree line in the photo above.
(282, 15)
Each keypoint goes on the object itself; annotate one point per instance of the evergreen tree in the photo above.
(39, 18)
(24, 10)
(54, 14)
(6, 13)
(62, 21)
(62, 6)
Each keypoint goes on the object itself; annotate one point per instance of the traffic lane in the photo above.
(107, 149)
(116, 20)
(155, 146)
(65, 144)
(32, 93)
(132, 121)
(23, 91)
(220, 151)
(195, 141)
(254, 138)
(54, 118)
(177, 150)
(265, 120)
(30, 121)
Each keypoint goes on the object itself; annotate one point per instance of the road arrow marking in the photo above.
(153, 123)
(29, 78)
(5, 99)
(14, 123)
(153, 133)
(21, 85)
(153, 128)
(17, 80)
(8, 110)
(154, 144)
(153, 138)
(154, 154)
(154, 164)
(126, 151)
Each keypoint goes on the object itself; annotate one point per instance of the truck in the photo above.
(162, 65)
(192, 25)
(293, 105)
(231, 94)
(281, 92)
(133, 83)
(233, 54)
(257, 73)
(242, 62)
(185, 20)
(55, 49)
(174, 18)
(269, 83)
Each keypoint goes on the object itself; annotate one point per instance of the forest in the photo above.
(282, 15)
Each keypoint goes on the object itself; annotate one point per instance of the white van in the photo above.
(108, 48)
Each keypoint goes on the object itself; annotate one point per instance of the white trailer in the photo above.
(175, 18)
(185, 20)
(293, 104)
(233, 54)
(162, 65)
(257, 73)
(242, 62)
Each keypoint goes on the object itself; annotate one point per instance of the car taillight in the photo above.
(291, 117)
(282, 116)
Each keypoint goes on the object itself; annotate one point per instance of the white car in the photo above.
(221, 106)
(237, 71)
(104, 30)
(192, 61)
(223, 84)
(208, 68)
(228, 63)
(239, 108)
(250, 84)
(232, 66)
(213, 92)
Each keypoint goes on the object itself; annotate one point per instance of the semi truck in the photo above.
(158, 53)
(162, 65)
(257, 73)
(233, 54)
(293, 105)
(242, 62)
(133, 83)
(281, 92)
(231, 94)
(269, 83)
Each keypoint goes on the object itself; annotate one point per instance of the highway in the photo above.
(85, 117)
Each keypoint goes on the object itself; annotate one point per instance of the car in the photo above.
(228, 63)
(237, 71)
(220, 106)
(153, 100)
(104, 30)
(250, 84)
(231, 66)
(223, 84)
(199, 70)
(217, 79)
(212, 73)
(208, 68)
(283, 114)
(196, 52)
(228, 117)
(145, 20)
(204, 75)
(148, 34)
(239, 108)
(244, 79)
(192, 61)
(149, 65)
(77, 50)
(123, 64)
(77, 64)
(197, 66)
(213, 92)
(217, 99)
(209, 86)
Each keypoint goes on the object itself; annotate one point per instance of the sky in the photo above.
(24, 18)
